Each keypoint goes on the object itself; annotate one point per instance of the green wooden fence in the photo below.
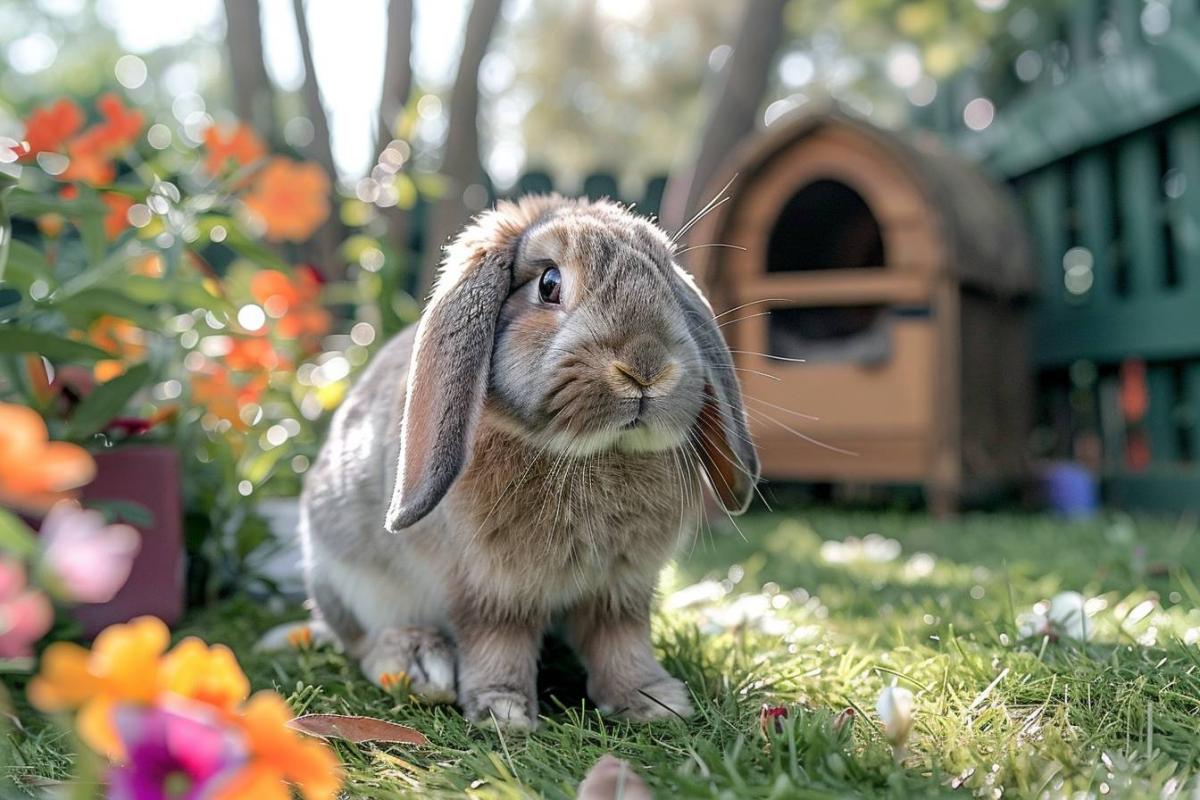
(1102, 144)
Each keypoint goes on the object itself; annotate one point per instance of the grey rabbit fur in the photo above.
(529, 454)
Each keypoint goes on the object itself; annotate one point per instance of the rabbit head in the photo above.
(570, 324)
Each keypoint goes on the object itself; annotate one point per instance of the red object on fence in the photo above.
(147, 475)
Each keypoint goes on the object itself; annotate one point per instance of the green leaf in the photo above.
(90, 303)
(25, 265)
(106, 402)
(15, 536)
(6, 184)
(101, 271)
(27, 204)
(15, 340)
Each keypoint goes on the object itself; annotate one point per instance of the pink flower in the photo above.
(174, 753)
(25, 614)
(90, 560)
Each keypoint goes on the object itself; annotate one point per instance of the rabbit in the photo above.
(527, 457)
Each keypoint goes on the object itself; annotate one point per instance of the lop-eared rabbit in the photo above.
(529, 455)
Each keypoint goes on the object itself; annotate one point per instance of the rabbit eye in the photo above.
(550, 285)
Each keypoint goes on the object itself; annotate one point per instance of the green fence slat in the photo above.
(1140, 180)
(1112, 422)
(1160, 416)
(601, 184)
(1083, 31)
(1047, 197)
(535, 182)
(652, 199)
(1191, 380)
(1127, 16)
(1094, 207)
(1183, 198)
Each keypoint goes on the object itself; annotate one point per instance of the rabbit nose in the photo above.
(636, 377)
(646, 365)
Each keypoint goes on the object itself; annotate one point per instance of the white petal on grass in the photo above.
(1069, 616)
(895, 710)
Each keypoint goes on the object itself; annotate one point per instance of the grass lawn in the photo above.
(821, 626)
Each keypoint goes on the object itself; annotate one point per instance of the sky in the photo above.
(348, 48)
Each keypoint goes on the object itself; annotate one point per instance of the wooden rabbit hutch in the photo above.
(900, 277)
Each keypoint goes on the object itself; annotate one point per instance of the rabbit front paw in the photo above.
(500, 707)
(422, 656)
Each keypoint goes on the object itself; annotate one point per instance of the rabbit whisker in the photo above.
(736, 320)
(794, 432)
(751, 303)
(710, 244)
(799, 414)
(771, 356)
(717, 200)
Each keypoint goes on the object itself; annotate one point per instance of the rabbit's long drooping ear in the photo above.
(452, 356)
(447, 381)
(722, 440)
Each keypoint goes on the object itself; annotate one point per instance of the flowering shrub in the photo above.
(148, 292)
(156, 286)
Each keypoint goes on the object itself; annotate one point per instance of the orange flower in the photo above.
(90, 159)
(209, 675)
(49, 127)
(91, 152)
(35, 473)
(280, 754)
(295, 302)
(121, 338)
(122, 667)
(121, 126)
(117, 218)
(291, 199)
(238, 143)
(254, 353)
(215, 390)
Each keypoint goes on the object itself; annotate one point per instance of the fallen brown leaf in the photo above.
(356, 729)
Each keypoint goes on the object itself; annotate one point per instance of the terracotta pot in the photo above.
(147, 475)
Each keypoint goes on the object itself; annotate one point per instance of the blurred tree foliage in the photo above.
(624, 85)
(575, 86)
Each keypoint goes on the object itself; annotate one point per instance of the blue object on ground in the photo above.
(1070, 490)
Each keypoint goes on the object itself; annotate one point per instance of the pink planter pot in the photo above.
(147, 475)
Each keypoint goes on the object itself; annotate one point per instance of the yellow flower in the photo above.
(122, 667)
(209, 675)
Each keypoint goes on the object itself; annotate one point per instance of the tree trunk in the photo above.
(253, 95)
(397, 88)
(397, 70)
(322, 249)
(321, 147)
(735, 112)
(461, 163)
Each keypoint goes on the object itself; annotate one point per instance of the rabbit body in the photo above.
(528, 524)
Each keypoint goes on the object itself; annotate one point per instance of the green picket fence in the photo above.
(1101, 141)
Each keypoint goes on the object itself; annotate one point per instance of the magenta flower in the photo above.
(90, 560)
(173, 754)
(25, 614)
